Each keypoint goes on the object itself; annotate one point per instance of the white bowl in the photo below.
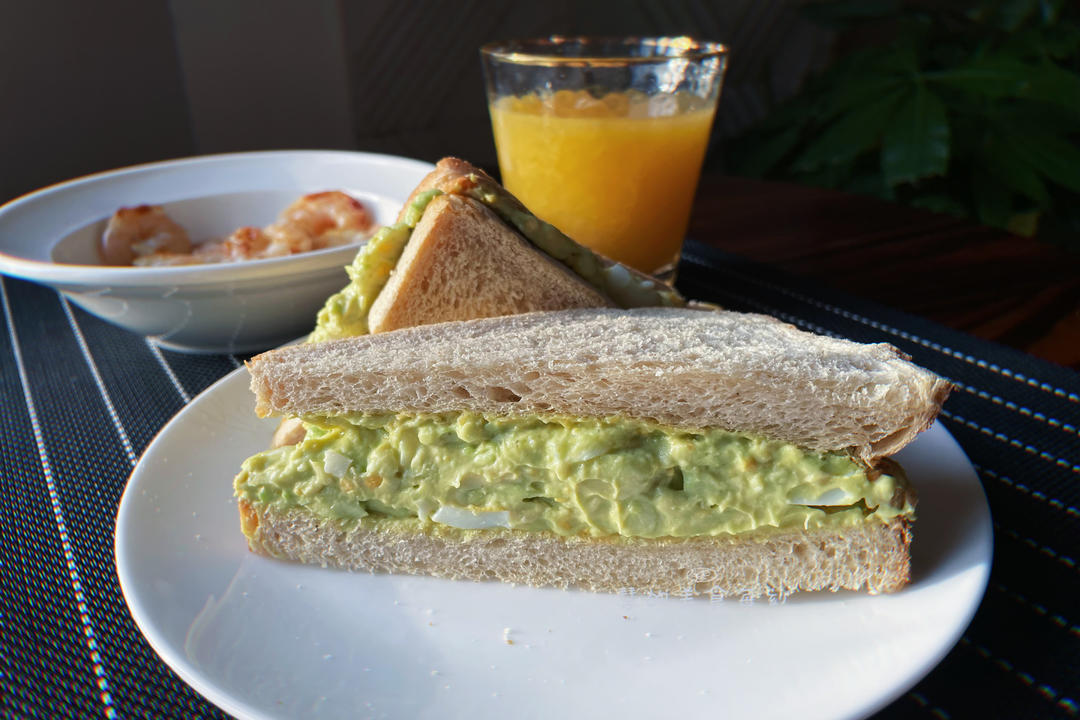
(50, 236)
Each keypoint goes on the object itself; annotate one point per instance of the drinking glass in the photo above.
(605, 137)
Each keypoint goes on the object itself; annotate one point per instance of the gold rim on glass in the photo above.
(544, 52)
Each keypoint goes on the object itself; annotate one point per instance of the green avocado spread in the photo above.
(591, 477)
(345, 313)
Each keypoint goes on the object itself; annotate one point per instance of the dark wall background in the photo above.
(92, 86)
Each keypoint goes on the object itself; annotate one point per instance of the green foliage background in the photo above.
(968, 108)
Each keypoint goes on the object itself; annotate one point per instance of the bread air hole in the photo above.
(501, 394)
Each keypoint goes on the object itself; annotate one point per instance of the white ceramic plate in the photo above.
(267, 639)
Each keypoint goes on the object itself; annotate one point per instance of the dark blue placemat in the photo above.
(80, 400)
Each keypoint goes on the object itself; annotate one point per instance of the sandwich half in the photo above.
(654, 450)
(463, 247)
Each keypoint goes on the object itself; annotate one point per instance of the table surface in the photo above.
(81, 400)
(1012, 290)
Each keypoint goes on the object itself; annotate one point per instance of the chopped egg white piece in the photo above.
(469, 520)
(584, 454)
(424, 509)
(335, 463)
(833, 496)
(618, 275)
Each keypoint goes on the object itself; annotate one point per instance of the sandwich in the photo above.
(463, 247)
(663, 450)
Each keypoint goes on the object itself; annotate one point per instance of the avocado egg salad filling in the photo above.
(588, 477)
(345, 313)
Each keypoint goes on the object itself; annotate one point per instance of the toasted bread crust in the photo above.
(452, 176)
(873, 557)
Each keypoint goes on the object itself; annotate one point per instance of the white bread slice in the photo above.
(873, 556)
(463, 262)
(454, 176)
(682, 367)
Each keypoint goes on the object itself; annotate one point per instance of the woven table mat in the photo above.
(80, 400)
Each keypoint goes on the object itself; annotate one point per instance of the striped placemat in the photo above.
(80, 400)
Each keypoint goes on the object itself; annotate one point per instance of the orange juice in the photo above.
(617, 174)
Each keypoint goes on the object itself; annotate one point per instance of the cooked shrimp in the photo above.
(316, 221)
(146, 236)
(317, 214)
(245, 243)
(288, 240)
(140, 231)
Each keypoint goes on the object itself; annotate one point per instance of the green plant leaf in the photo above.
(996, 77)
(854, 93)
(854, 133)
(1057, 158)
(1060, 41)
(1013, 13)
(1016, 117)
(916, 140)
(1037, 44)
(862, 79)
(1014, 169)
